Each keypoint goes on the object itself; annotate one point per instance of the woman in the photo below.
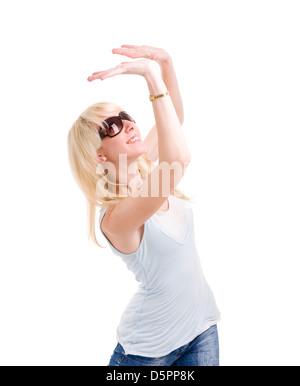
(172, 318)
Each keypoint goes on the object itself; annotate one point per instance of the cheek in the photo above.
(118, 146)
(114, 148)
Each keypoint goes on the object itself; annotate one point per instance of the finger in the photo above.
(122, 50)
(130, 52)
(129, 46)
(105, 71)
(93, 77)
(114, 72)
(96, 73)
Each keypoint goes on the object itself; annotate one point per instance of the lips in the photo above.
(133, 139)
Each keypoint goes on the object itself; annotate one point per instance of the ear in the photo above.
(102, 158)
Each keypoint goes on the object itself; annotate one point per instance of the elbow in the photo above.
(181, 119)
(187, 156)
(185, 161)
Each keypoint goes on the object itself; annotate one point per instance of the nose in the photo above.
(128, 126)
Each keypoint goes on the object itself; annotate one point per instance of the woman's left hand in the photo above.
(147, 52)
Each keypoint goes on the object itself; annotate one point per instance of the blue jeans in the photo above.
(202, 351)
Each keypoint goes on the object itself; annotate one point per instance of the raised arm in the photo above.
(169, 77)
(132, 212)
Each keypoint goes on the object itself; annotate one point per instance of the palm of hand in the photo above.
(151, 57)
(139, 67)
(147, 52)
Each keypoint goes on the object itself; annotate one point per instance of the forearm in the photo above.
(170, 79)
(171, 142)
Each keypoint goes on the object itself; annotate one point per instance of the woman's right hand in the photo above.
(142, 67)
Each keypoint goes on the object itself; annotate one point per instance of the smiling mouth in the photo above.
(134, 140)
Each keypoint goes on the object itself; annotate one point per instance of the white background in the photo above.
(237, 63)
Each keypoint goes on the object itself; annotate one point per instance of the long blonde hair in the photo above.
(83, 143)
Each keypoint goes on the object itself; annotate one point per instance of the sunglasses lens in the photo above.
(112, 126)
(126, 117)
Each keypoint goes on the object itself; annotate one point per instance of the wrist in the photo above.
(152, 70)
(166, 62)
(155, 83)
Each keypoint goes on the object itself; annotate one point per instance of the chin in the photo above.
(137, 151)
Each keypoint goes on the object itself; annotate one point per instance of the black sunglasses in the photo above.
(113, 126)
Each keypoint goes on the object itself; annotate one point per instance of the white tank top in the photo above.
(176, 214)
(173, 303)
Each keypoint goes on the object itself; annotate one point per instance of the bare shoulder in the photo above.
(130, 214)
(125, 242)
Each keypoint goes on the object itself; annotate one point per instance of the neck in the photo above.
(126, 183)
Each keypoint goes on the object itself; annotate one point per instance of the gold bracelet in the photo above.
(152, 97)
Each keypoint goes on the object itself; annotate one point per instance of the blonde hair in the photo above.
(83, 143)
